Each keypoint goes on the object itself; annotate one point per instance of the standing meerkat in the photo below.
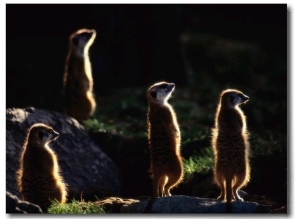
(164, 140)
(38, 177)
(78, 82)
(230, 145)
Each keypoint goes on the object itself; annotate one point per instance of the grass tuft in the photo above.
(202, 163)
(76, 207)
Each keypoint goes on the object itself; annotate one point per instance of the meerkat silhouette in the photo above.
(38, 177)
(78, 96)
(164, 140)
(230, 145)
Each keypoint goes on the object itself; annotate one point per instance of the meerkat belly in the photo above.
(84, 102)
(78, 85)
(230, 153)
(162, 155)
(38, 186)
(163, 149)
(164, 138)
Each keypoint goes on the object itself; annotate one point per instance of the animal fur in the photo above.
(164, 140)
(230, 145)
(38, 177)
(79, 101)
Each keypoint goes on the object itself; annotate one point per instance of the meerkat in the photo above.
(79, 100)
(164, 140)
(231, 145)
(39, 180)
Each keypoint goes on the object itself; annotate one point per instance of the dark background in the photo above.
(136, 44)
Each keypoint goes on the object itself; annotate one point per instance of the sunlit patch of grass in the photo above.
(95, 125)
(76, 207)
(202, 163)
(128, 128)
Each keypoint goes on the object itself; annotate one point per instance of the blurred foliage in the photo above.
(200, 163)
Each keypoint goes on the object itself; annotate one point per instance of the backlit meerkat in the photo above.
(164, 140)
(38, 177)
(78, 82)
(230, 145)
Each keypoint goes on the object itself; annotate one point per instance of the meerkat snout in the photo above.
(239, 98)
(46, 136)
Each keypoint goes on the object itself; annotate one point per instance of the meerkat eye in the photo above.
(41, 135)
(153, 94)
(232, 98)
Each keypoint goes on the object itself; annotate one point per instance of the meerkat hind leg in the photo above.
(238, 183)
(171, 182)
(222, 194)
(161, 185)
(221, 183)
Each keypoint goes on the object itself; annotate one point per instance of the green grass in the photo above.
(95, 125)
(202, 163)
(76, 207)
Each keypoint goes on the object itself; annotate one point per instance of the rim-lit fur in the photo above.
(39, 180)
(230, 145)
(79, 101)
(164, 138)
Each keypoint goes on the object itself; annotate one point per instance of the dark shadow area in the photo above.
(135, 44)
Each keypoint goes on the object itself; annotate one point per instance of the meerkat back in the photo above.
(38, 177)
(230, 145)
(78, 96)
(164, 140)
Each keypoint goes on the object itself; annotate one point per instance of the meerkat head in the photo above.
(41, 134)
(160, 92)
(231, 98)
(81, 40)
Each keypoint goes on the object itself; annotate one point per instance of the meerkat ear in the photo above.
(153, 94)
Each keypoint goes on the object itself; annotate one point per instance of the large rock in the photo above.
(88, 171)
(14, 205)
(186, 204)
(114, 204)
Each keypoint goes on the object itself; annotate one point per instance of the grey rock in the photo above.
(14, 205)
(114, 204)
(87, 170)
(186, 204)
